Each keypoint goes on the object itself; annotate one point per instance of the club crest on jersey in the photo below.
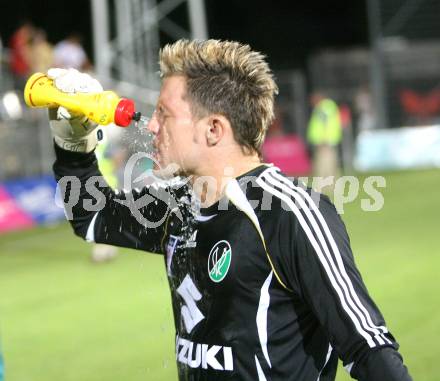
(219, 260)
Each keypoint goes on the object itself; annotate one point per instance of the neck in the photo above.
(210, 182)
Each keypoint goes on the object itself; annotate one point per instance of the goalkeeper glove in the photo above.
(73, 132)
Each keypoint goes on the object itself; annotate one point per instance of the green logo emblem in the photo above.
(219, 261)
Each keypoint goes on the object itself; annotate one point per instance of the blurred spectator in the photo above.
(364, 107)
(41, 52)
(69, 53)
(324, 134)
(20, 54)
(347, 143)
(111, 157)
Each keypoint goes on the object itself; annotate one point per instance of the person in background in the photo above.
(70, 54)
(111, 158)
(324, 134)
(41, 52)
(365, 110)
(20, 55)
(345, 151)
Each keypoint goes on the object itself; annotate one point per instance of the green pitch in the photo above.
(64, 318)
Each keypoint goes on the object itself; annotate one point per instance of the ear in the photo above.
(218, 126)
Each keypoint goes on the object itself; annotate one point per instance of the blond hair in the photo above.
(227, 78)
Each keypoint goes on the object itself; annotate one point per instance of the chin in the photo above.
(166, 170)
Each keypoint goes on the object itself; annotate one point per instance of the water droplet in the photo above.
(142, 123)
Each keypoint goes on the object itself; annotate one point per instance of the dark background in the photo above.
(288, 31)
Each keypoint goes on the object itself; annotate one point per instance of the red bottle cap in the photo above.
(124, 112)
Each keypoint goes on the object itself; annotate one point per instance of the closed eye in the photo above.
(161, 114)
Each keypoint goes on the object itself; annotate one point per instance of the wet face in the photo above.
(178, 136)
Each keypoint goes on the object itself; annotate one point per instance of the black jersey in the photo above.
(263, 283)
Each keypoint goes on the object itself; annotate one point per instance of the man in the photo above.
(324, 134)
(20, 53)
(263, 281)
(111, 158)
(69, 53)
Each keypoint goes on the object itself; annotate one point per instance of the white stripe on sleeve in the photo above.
(263, 306)
(339, 267)
(90, 236)
(329, 353)
(261, 376)
(314, 243)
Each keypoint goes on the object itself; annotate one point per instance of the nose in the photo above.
(153, 125)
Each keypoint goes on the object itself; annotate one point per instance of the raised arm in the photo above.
(135, 219)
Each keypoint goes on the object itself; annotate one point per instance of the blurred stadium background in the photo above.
(64, 318)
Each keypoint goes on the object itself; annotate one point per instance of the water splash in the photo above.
(139, 138)
(142, 123)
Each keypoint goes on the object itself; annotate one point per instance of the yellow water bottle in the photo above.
(103, 108)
